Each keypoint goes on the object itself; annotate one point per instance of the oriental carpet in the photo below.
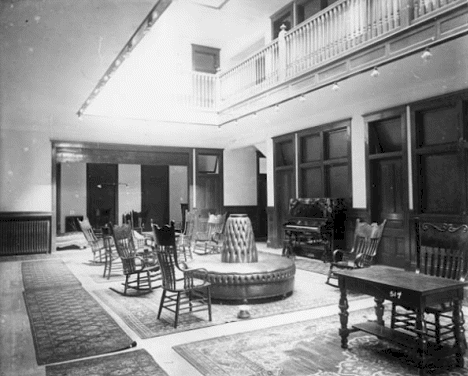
(140, 313)
(66, 321)
(131, 363)
(308, 348)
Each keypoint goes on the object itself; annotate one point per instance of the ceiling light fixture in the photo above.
(335, 87)
(426, 55)
(375, 72)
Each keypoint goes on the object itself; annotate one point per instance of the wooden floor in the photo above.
(17, 355)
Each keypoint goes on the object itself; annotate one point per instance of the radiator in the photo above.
(24, 233)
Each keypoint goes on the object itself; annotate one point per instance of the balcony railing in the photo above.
(336, 31)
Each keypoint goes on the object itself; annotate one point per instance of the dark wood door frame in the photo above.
(401, 113)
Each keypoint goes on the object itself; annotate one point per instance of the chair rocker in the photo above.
(182, 293)
(141, 273)
(210, 240)
(96, 244)
(366, 243)
(442, 252)
(111, 256)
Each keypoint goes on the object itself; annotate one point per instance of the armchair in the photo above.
(366, 243)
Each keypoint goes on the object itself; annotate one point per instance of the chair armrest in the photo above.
(217, 237)
(361, 260)
(203, 236)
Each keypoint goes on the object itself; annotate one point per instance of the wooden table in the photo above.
(415, 291)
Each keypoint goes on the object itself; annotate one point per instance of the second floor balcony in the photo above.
(346, 38)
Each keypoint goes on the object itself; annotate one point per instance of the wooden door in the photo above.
(155, 195)
(387, 203)
(102, 183)
(388, 185)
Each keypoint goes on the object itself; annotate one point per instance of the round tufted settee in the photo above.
(271, 276)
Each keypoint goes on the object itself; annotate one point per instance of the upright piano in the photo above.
(315, 227)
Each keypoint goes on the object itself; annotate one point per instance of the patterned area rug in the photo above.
(305, 348)
(140, 313)
(134, 363)
(67, 323)
(312, 265)
(39, 275)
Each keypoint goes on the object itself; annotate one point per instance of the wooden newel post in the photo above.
(282, 53)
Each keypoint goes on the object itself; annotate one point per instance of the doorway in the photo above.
(388, 184)
(102, 183)
(155, 195)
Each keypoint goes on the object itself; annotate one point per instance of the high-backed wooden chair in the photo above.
(185, 238)
(366, 243)
(141, 270)
(442, 252)
(210, 240)
(96, 243)
(182, 293)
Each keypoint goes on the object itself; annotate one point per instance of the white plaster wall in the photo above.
(270, 172)
(240, 177)
(25, 170)
(358, 162)
(129, 194)
(73, 191)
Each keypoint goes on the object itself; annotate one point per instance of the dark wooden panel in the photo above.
(155, 195)
(438, 125)
(25, 233)
(441, 181)
(338, 181)
(311, 182)
(336, 144)
(311, 147)
(209, 192)
(102, 186)
(121, 154)
(285, 190)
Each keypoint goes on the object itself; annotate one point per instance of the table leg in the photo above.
(422, 339)
(379, 311)
(459, 332)
(343, 305)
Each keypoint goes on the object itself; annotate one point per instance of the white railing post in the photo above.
(217, 98)
(282, 53)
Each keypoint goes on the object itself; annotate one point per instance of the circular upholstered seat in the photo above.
(271, 276)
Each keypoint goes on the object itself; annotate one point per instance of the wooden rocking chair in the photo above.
(141, 270)
(366, 243)
(210, 240)
(96, 244)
